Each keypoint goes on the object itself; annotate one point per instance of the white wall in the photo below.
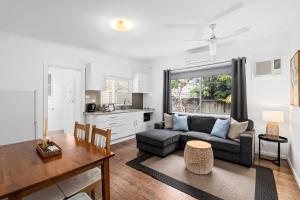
(22, 58)
(294, 148)
(263, 93)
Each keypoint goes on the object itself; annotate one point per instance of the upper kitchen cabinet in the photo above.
(140, 83)
(94, 78)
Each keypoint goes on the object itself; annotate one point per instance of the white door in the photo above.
(70, 100)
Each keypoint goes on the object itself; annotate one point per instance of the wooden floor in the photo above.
(130, 184)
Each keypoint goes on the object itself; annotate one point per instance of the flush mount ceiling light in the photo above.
(121, 24)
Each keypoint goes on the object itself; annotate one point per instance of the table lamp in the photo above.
(272, 118)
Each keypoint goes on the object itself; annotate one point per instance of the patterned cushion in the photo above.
(168, 121)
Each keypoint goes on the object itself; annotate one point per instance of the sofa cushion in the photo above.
(250, 125)
(194, 135)
(224, 144)
(160, 151)
(180, 123)
(168, 121)
(202, 124)
(221, 128)
(159, 137)
(236, 129)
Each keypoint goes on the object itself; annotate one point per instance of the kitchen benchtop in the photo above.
(119, 112)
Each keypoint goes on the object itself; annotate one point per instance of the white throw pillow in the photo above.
(168, 120)
(236, 129)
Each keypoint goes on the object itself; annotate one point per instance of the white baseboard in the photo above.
(294, 173)
(123, 139)
(265, 153)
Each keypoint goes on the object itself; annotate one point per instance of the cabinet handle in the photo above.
(114, 133)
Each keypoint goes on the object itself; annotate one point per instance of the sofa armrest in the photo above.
(247, 147)
(247, 135)
(159, 125)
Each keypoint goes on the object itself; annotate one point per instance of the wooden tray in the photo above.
(44, 152)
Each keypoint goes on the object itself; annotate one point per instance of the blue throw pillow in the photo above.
(220, 128)
(180, 123)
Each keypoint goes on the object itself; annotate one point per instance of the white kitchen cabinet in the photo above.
(118, 123)
(122, 125)
(94, 78)
(139, 125)
(140, 83)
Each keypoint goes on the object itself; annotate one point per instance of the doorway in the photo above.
(64, 99)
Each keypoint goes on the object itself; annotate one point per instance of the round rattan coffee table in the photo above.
(198, 157)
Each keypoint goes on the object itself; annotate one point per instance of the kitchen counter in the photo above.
(119, 112)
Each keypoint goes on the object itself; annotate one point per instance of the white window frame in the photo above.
(114, 92)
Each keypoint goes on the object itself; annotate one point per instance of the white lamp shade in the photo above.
(273, 116)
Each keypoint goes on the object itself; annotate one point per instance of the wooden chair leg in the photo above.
(93, 195)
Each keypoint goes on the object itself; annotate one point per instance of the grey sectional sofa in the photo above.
(162, 142)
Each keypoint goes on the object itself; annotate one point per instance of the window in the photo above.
(210, 93)
(118, 91)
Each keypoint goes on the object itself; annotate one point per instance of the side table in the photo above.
(275, 139)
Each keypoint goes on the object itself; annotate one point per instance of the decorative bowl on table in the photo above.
(49, 150)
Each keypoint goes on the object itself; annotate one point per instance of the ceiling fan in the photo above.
(213, 39)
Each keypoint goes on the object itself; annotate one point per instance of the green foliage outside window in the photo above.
(217, 88)
(211, 87)
(209, 94)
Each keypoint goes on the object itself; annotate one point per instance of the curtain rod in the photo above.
(209, 64)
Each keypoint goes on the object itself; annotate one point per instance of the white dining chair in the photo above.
(82, 131)
(90, 180)
(49, 193)
(80, 196)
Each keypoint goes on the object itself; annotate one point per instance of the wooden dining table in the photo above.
(23, 171)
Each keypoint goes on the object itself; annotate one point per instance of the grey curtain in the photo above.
(166, 92)
(239, 109)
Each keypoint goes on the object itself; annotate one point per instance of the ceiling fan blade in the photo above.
(234, 33)
(195, 40)
(226, 12)
(171, 26)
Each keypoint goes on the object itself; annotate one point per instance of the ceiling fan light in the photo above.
(121, 24)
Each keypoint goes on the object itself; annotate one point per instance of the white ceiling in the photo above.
(84, 23)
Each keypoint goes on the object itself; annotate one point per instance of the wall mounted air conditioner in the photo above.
(197, 55)
(267, 68)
